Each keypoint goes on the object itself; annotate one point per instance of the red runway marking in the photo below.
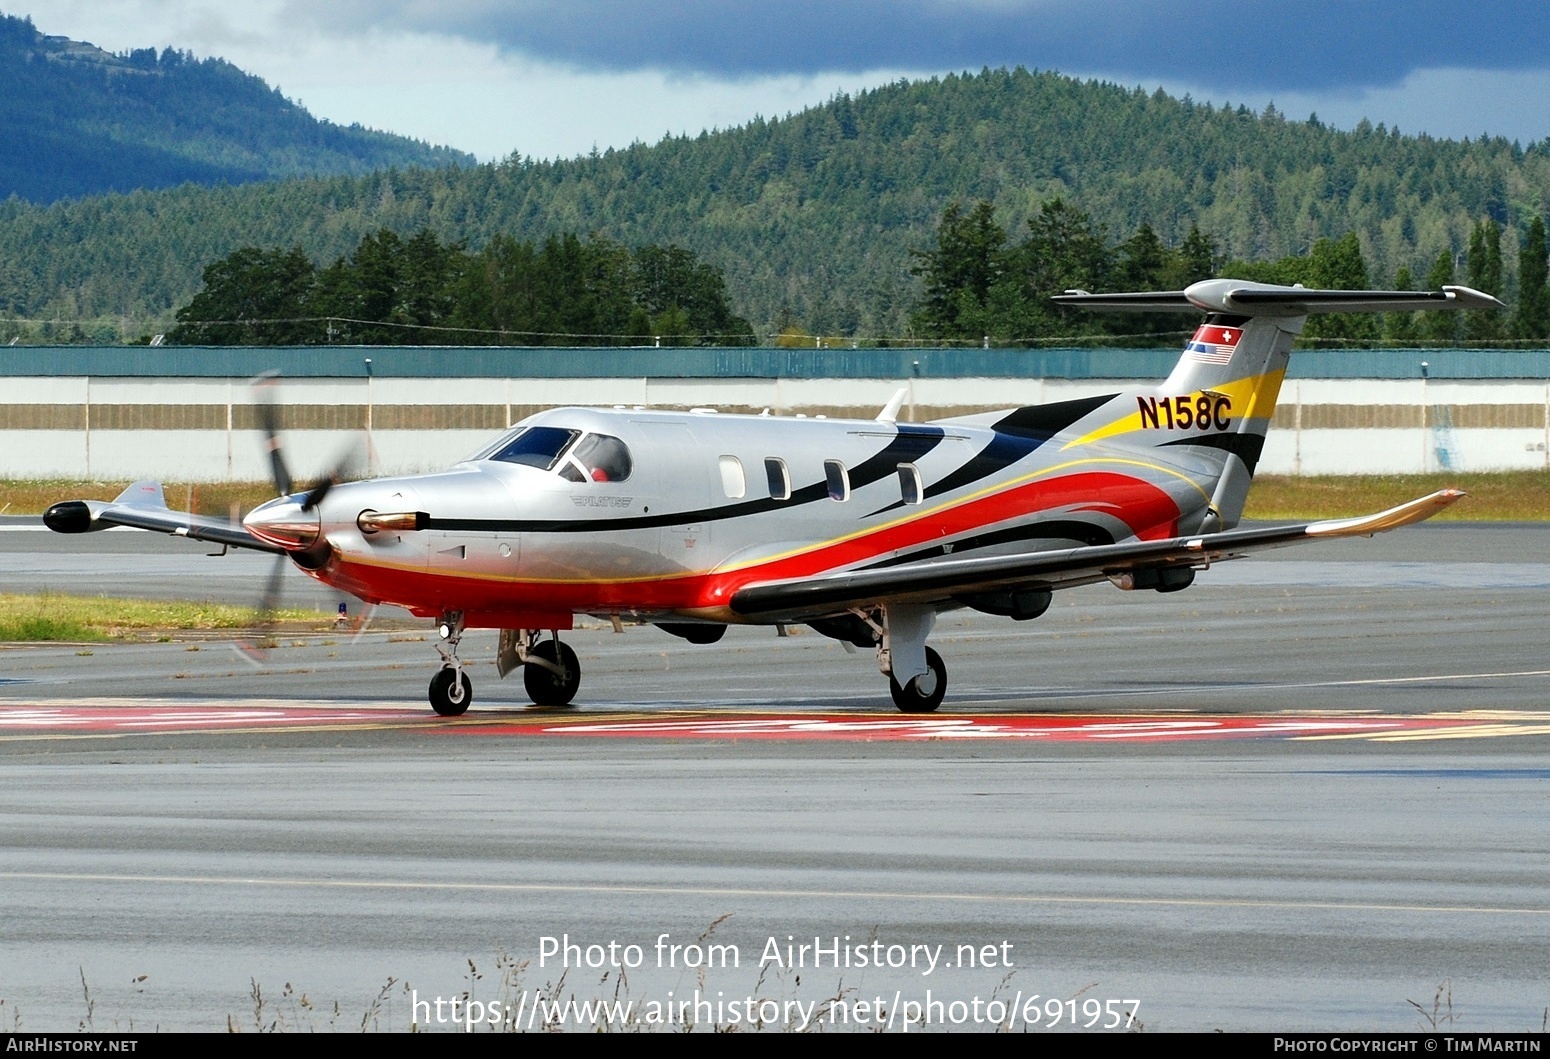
(109, 717)
(1059, 729)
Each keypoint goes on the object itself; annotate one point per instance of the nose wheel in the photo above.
(451, 691)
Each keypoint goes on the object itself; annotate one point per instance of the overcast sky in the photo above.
(554, 78)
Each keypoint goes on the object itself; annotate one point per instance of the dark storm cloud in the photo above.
(1237, 44)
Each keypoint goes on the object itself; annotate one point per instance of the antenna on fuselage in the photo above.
(890, 412)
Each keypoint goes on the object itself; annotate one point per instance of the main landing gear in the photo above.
(917, 676)
(551, 672)
(922, 694)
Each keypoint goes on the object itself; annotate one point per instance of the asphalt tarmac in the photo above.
(184, 836)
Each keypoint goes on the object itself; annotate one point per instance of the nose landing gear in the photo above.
(451, 691)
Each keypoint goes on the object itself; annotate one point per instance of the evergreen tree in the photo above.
(969, 259)
(1143, 261)
(1440, 327)
(250, 297)
(420, 291)
(1532, 320)
(1484, 269)
(684, 296)
(1194, 260)
(1066, 250)
(1336, 264)
(1399, 328)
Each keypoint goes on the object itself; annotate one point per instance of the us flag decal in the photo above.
(1213, 344)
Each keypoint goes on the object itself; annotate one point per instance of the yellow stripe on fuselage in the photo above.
(1252, 398)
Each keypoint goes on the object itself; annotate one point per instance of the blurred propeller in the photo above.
(269, 419)
(265, 388)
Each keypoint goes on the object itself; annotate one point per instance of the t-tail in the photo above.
(1221, 395)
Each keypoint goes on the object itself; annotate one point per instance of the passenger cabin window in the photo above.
(838, 478)
(733, 484)
(909, 483)
(778, 477)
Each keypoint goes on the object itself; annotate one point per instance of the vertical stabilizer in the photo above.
(1221, 395)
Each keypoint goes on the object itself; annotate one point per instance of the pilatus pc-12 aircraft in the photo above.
(861, 529)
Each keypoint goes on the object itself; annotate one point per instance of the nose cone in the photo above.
(284, 522)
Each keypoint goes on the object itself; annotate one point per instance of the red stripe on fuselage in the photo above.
(1149, 512)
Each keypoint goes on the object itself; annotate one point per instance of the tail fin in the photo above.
(1231, 370)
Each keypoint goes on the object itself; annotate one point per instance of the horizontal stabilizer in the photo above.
(1165, 301)
(1243, 298)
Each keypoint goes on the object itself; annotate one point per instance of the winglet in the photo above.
(1395, 517)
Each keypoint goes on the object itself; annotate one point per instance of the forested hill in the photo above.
(78, 121)
(813, 217)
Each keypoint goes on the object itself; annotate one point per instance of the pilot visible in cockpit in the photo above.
(606, 459)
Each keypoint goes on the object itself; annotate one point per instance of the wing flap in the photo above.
(941, 579)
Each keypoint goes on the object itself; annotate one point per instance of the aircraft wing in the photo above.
(924, 582)
(143, 506)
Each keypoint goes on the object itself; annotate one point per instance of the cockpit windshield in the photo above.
(575, 456)
(533, 447)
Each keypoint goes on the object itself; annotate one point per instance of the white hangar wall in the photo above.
(206, 429)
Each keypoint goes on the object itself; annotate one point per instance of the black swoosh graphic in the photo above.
(1247, 447)
(1053, 530)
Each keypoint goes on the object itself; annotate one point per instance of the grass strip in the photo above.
(53, 616)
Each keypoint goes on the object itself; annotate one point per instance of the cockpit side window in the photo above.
(539, 447)
(603, 458)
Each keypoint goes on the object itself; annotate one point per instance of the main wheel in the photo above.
(451, 692)
(546, 687)
(924, 693)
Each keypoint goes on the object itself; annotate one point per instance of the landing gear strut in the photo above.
(917, 676)
(451, 691)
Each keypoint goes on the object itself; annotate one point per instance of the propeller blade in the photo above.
(344, 469)
(269, 420)
(256, 650)
(316, 494)
(365, 623)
